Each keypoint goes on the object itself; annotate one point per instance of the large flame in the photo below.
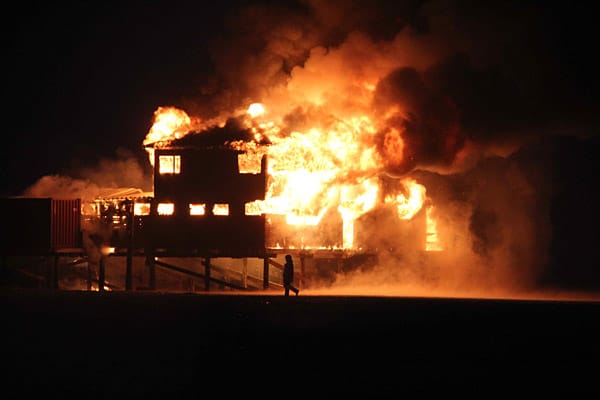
(169, 123)
(331, 166)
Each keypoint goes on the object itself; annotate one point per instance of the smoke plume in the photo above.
(461, 94)
(88, 183)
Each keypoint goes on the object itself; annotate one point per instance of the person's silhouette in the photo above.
(288, 276)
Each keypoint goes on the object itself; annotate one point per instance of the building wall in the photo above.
(207, 176)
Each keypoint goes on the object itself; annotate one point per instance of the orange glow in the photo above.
(169, 123)
(393, 147)
(197, 209)
(169, 164)
(107, 250)
(221, 209)
(141, 209)
(250, 161)
(253, 208)
(355, 201)
(432, 242)
(255, 109)
(165, 208)
(408, 207)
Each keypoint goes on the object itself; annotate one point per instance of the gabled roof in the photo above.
(213, 137)
(122, 193)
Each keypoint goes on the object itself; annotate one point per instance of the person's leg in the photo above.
(287, 290)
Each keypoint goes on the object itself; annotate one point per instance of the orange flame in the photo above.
(333, 165)
(408, 207)
(170, 123)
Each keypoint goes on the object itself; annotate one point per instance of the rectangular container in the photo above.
(39, 226)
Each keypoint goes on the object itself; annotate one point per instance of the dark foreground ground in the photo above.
(141, 345)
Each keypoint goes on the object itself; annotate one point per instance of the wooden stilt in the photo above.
(101, 274)
(266, 273)
(151, 271)
(245, 272)
(129, 261)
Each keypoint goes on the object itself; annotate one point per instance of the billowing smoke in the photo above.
(426, 122)
(88, 183)
(459, 81)
(461, 94)
(494, 222)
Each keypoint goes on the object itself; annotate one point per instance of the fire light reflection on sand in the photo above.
(400, 291)
(406, 291)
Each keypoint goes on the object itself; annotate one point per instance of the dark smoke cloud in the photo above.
(263, 42)
(256, 52)
(428, 122)
(477, 79)
(382, 20)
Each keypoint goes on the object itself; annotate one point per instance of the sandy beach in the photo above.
(118, 344)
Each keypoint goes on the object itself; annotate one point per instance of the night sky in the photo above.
(82, 81)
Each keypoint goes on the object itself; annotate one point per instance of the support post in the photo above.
(101, 274)
(129, 261)
(266, 273)
(89, 274)
(302, 270)
(151, 270)
(245, 272)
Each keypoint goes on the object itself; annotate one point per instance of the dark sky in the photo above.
(82, 79)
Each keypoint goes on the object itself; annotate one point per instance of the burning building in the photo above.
(363, 136)
(199, 202)
(240, 190)
(311, 189)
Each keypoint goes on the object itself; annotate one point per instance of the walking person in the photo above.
(288, 276)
